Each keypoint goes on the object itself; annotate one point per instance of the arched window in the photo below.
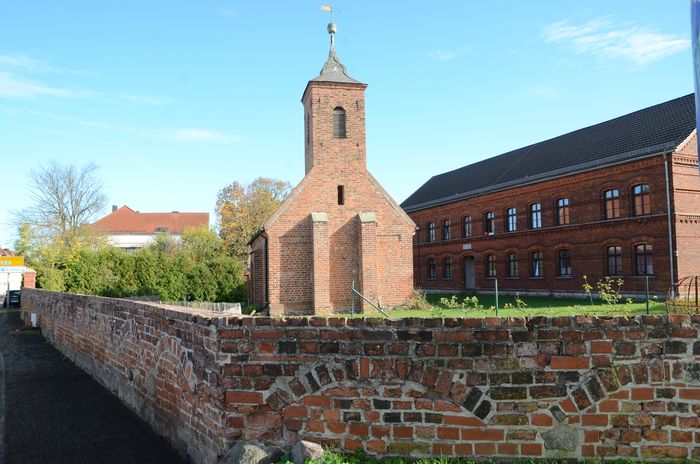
(431, 232)
(447, 268)
(641, 200)
(612, 204)
(431, 269)
(536, 264)
(644, 259)
(488, 223)
(564, 263)
(511, 220)
(512, 265)
(535, 216)
(562, 217)
(614, 260)
(490, 265)
(446, 230)
(339, 123)
(467, 226)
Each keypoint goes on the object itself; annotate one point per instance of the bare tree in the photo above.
(64, 199)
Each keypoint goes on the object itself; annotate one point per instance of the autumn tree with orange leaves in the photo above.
(241, 211)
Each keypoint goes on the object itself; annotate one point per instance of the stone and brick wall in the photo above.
(566, 387)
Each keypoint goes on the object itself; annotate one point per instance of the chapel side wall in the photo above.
(320, 195)
(395, 265)
(257, 282)
(686, 206)
(586, 237)
(290, 261)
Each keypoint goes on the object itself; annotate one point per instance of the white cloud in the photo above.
(604, 38)
(201, 135)
(545, 92)
(442, 55)
(18, 61)
(15, 88)
(147, 99)
(228, 12)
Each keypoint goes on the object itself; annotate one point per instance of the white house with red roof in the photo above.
(130, 230)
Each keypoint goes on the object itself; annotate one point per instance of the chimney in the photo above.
(114, 208)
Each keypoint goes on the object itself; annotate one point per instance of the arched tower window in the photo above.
(339, 123)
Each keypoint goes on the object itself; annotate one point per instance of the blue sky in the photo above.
(174, 100)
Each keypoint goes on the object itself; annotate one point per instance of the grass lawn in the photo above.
(535, 306)
(335, 457)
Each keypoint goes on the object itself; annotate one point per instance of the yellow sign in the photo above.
(326, 8)
(11, 261)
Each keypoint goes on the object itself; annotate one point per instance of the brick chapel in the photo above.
(338, 227)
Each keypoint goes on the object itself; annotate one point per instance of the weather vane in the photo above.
(329, 9)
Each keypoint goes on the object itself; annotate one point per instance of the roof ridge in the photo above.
(628, 136)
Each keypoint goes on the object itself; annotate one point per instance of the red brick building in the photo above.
(338, 226)
(620, 198)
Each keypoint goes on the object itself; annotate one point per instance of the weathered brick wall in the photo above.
(586, 237)
(686, 204)
(163, 363)
(562, 387)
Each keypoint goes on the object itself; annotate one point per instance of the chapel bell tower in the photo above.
(334, 117)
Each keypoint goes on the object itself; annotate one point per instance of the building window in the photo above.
(467, 226)
(308, 132)
(536, 264)
(490, 265)
(535, 216)
(614, 260)
(644, 259)
(511, 220)
(564, 263)
(612, 204)
(339, 123)
(431, 231)
(447, 268)
(431, 269)
(512, 265)
(341, 195)
(641, 200)
(446, 229)
(562, 211)
(488, 223)
(161, 229)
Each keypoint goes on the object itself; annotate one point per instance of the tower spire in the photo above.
(331, 32)
(333, 70)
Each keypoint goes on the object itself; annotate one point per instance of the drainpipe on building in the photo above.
(670, 225)
(267, 277)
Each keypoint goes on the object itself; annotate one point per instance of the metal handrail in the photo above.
(378, 308)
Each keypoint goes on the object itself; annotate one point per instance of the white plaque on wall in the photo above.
(466, 246)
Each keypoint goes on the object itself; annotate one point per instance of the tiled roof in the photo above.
(127, 221)
(635, 135)
(6, 252)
